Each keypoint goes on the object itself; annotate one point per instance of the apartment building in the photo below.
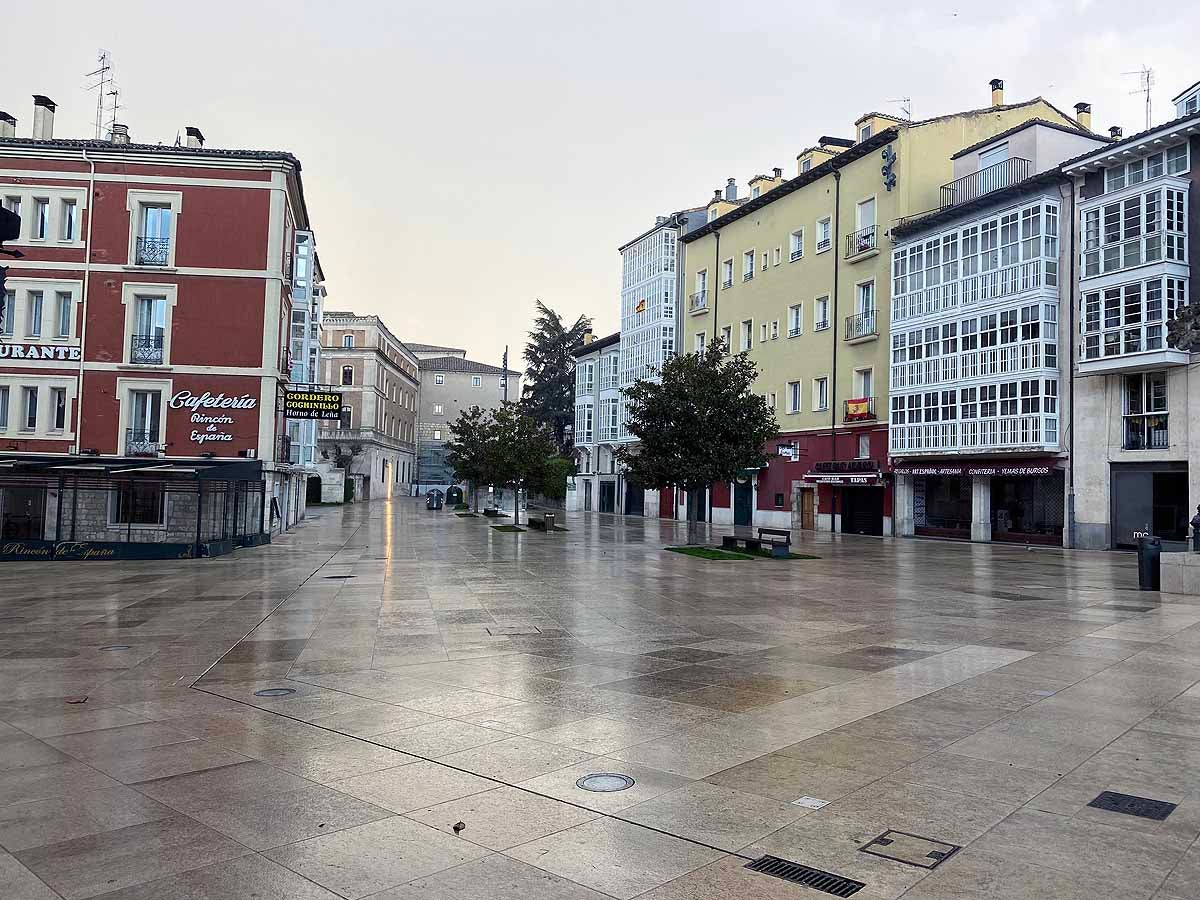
(799, 276)
(451, 383)
(373, 444)
(981, 344)
(1137, 392)
(144, 343)
(599, 429)
(308, 300)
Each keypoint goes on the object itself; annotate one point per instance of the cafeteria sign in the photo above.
(312, 405)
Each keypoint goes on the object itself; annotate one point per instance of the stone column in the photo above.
(902, 506)
(981, 507)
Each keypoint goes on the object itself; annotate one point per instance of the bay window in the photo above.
(1130, 318)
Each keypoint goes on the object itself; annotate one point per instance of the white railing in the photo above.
(1006, 282)
(1003, 433)
(1005, 360)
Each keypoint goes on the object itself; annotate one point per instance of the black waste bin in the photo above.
(1149, 549)
(454, 496)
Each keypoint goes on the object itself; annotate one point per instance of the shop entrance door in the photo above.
(23, 513)
(743, 503)
(804, 510)
(635, 500)
(608, 496)
(862, 511)
(587, 495)
(666, 503)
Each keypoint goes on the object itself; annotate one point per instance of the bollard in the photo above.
(548, 518)
(1149, 549)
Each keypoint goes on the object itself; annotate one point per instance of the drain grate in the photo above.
(116, 647)
(827, 882)
(1142, 807)
(337, 577)
(910, 849)
(275, 692)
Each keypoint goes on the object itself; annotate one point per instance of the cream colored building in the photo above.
(799, 275)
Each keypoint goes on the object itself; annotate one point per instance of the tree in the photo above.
(468, 449)
(518, 451)
(701, 424)
(549, 394)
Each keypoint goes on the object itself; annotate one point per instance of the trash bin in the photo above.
(1149, 550)
(549, 520)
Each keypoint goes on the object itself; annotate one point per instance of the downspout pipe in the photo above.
(1067, 193)
(835, 240)
(716, 327)
(87, 272)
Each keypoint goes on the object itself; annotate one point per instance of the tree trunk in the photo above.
(693, 522)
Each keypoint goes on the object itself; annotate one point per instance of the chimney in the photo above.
(716, 194)
(730, 189)
(588, 337)
(997, 92)
(195, 138)
(778, 172)
(1116, 132)
(120, 134)
(8, 126)
(1083, 115)
(43, 117)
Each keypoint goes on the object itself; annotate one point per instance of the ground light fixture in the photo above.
(605, 782)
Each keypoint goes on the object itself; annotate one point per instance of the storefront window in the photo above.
(138, 504)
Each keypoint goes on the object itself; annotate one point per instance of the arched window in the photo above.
(347, 374)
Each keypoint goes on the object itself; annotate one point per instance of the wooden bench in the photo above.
(737, 542)
(537, 523)
(779, 539)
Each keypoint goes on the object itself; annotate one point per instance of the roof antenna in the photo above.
(1145, 83)
(906, 104)
(105, 75)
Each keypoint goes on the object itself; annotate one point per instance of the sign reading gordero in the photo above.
(301, 404)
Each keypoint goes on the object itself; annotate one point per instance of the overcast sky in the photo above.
(463, 158)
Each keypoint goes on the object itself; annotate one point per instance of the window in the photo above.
(771, 400)
(476, 381)
(149, 330)
(58, 402)
(795, 320)
(65, 309)
(796, 244)
(774, 329)
(1145, 412)
(793, 397)
(29, 409)
(700, 342)
(805, 164)
(33, 314)
(727, 273)
(41, 219)
(762, 255)
(727, 337)
(138, 503)
(13, 204)
(865, 298)
(154, 235)
(3, 407)
(70, 222)
(347, 374)
(820, 393)
(439, 379)
(824, 234)
(747, 265)
(863, 382)
(1130, 318)
(747, 334)
(762, 335)
(347, 340)
(864, 132)
(437, 409)
(864, 446)
(8, 312)
(777, 257)
(143, 432)
(437, 434)
(755, 192)
(1147, 227)
(821, 314)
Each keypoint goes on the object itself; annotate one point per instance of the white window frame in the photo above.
(820, 324)
(476, 381)
(795, 396)
(820, 386)
(438, 409)
(824, 225)
(795, 320)
(747, 265)
(439, 378)
(727, 273)
(746, 336)
(131, 292)
(347, 342)
(699, 342)
(777, 258)
(125, 390)
(796, 247)
(135, 200)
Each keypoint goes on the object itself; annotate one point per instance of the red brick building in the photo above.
(144, 343)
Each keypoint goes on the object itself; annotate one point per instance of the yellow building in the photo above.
(798, 274)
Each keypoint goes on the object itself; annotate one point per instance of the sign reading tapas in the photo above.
(299, 404)
(38, 351)
(210, 413)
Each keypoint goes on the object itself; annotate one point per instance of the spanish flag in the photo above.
(858, 408)
(641, 307)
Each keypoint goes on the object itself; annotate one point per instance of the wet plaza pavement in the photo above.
(398, 704)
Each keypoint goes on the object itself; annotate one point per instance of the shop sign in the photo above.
(26, 551)
(840, 466)
(868, 480)
(304, 404)
(39, 351)
(214, 425)
(1003, 470)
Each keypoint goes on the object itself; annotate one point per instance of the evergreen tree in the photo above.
(549, 394)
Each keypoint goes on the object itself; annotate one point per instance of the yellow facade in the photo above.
(766, 225)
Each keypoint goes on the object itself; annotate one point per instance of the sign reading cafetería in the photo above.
(300, 404)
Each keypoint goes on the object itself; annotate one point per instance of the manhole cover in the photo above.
(810, 802)
(605, 782)
(116, 647)
(1130, 805)
(274, 692)
(910, 849)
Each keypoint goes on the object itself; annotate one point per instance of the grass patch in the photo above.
(467, 515)
(766, 554)
(506, 528)
(709, 553)
(461, 506)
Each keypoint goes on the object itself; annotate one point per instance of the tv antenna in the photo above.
(906, 104)
(102, 87)
(1145, 83)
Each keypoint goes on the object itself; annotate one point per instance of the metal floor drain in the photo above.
(605, 782)
(116, 647)
(1130, 805)
(332, 577)
(827, 882)
(910, 849)
(274, 692)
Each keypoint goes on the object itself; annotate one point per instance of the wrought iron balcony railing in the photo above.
(141, 442)
(146, 349)
(698, 301)
(862, 325)
(153, 251)
(860, 409)
(993, 178)
(861, 241)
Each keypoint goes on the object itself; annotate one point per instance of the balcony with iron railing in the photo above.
(141, 442)
(862, 327)
(993, 178)
(698, 302)
(153, 251)
(861, 242)
(859, 409)
(1022, 432)
(146, 349)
